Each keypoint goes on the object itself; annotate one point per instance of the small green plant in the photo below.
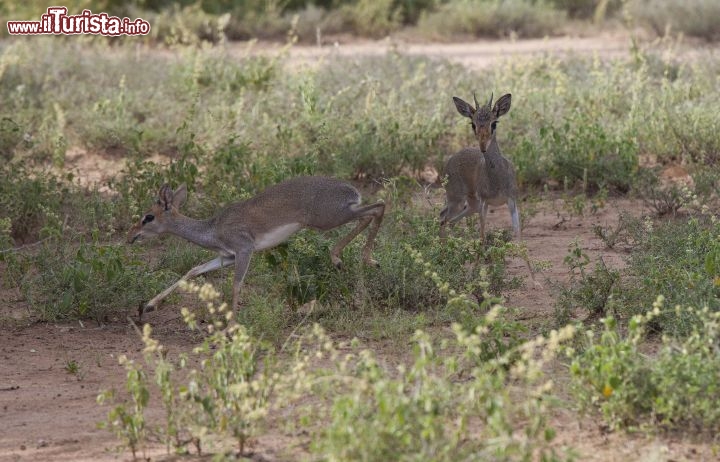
(218, 395)
(588, 291)
(127, 422)
(501, 333)
(230, 391)
(72, 367)
(576, 259)
(664, 200)
(627, 231)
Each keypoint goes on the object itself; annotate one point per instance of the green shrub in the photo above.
(374, 18)
(10, 136)
(186, 25)
(491, 18)
(128, 423)
(696, 18)
(677, 259)
(31, 201)
(588, 9)
(675, 388)
(591, 291)
(424, 411)
(89, 280)
(465, 396)
(581, 151)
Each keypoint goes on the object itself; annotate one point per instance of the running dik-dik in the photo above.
(260, 223)
(479, 177)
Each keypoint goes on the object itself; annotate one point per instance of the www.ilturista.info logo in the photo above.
(57, 22)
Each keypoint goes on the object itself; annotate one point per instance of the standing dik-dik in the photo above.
(259, 223)
(481, 177)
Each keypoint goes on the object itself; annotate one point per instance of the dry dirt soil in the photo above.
(47, 413)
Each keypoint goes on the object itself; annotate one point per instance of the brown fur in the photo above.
(479, 177)
(261, 222)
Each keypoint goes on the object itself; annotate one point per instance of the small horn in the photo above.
(491, 98)
(477, 105)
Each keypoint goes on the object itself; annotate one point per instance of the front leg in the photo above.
(215, 263)
(515, 217)
(483, 218)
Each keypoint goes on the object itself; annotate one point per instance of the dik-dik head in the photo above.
(165, 208)
(484, 119)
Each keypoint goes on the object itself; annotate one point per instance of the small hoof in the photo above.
(372, 262)
(144, 308)
(337, 263)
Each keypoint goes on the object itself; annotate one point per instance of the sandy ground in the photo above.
(48, 414)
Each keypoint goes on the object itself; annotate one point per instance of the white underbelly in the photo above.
(275, 236)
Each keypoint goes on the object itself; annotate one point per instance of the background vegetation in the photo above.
(189, 21)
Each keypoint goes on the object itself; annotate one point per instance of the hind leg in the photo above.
(366, 215)
(452, 214)
(378, 215)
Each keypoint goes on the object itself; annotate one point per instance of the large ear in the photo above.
(463, 108)
(502, 105)
(165, 196)
(180, 196)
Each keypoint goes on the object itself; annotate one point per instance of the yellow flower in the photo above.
(607, 390)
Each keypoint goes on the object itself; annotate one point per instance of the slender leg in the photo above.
(215, 263)
(460, 215)
(366, 214)
(515, 215)
(443, 221)
(372, 234)
(454, 211)
(242, 261)
(335, 252)
(483, 217)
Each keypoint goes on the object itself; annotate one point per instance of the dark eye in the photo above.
(493, 126)
(148, 218)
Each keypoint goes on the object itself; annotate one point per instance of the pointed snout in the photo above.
(133, 234)
(484, 139)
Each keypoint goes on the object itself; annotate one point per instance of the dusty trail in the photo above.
(476, 55)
